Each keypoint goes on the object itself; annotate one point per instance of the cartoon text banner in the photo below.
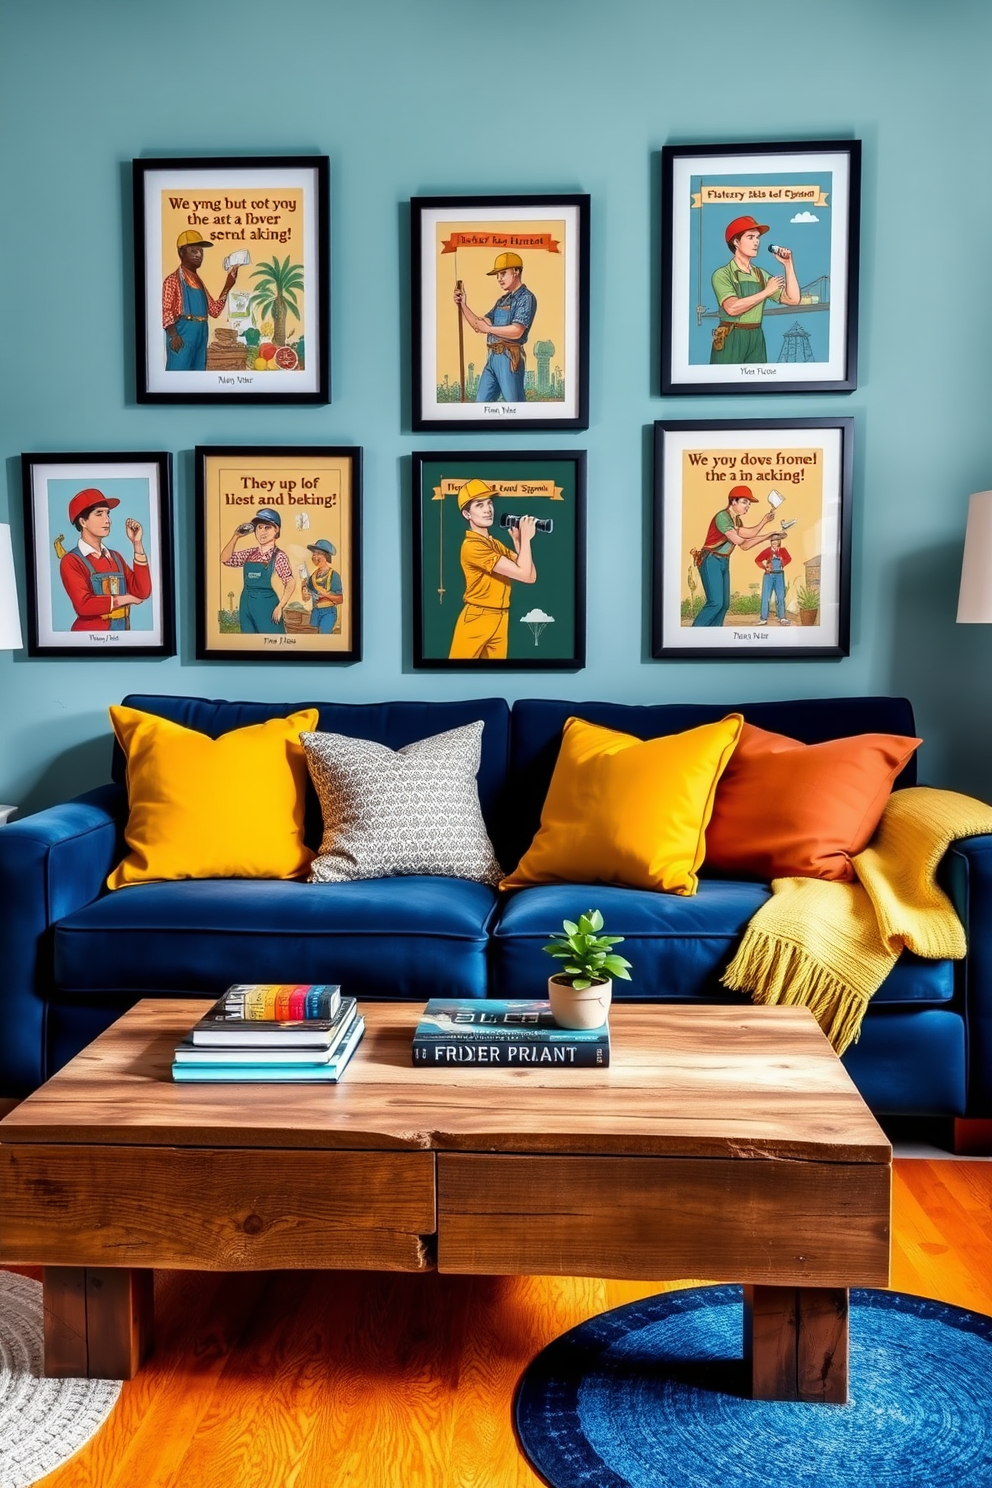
(810, 196)
(530, 241)
(504, 488)
(283, 488)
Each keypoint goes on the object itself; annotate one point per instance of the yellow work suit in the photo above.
(482, 630)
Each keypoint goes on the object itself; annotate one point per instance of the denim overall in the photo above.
(192, 356)
(498, 380)
(103, 584)
(259, 599)
(323, 617)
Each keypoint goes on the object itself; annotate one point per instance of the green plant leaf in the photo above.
(570, 927)
(595, 919)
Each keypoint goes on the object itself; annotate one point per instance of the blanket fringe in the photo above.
(775, 971)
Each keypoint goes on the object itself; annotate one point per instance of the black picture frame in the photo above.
(699, 463)
(316, 492)
(64, 580)
(545, 483)
(549, 234)
(808, 199)
(247, 205)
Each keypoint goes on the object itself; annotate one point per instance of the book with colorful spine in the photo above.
(271, 1013)
(320, 1051)
(505, 1034)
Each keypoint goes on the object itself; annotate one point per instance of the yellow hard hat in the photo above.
(506, 261)
(473, 490)
(192, 239)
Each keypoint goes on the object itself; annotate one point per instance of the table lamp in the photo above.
(10, 620)
(975, 595)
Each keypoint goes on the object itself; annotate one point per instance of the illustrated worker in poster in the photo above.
(506, 329)
(726, 532)
(741, 289)
(482, 630)
(323, 587)
(772, 561)
(186, 304)
(265, 570)
(101, 586)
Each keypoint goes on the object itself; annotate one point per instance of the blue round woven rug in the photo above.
(654, 1395)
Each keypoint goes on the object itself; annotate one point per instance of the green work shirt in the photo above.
(729, 281)
(724, 522)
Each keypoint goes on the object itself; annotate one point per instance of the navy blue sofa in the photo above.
(75, 956)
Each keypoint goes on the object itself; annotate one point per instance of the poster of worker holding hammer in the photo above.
(500, 310)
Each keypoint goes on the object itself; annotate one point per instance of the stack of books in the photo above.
(262, 1032)
(513, 1034)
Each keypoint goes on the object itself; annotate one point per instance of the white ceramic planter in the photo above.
(589, 1008)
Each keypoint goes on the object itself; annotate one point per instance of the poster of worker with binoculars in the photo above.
(499, 551)
(752, 539)
(500, 296)
(759, 292)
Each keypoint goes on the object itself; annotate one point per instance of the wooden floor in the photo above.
(293, 1380)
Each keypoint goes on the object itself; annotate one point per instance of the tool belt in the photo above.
(725, 327)
(191, 317)
(510, 349)
(698, 554)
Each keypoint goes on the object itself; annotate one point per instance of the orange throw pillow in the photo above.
(789, 810)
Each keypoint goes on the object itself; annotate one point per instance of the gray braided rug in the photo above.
(42, 1421)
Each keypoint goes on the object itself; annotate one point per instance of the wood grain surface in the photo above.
(216, 1210)
(794, 1223)
(684, 1081)
(375, 1380)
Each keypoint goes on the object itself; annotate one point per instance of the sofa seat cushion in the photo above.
(397, 938)
(678, 947)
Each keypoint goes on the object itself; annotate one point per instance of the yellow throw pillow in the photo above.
(622, 810)
(213, 808)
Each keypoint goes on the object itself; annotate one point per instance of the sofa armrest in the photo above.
(50, 864)
(966, 874)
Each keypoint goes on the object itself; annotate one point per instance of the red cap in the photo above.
(90, 497)
(741, 493)
(743, 225)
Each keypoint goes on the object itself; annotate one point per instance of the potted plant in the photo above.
(580, 993)
(808, 601)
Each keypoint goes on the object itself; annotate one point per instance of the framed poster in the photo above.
(231, 280)
(98, 533)
(760, 273)
(500, 301)
(278, 548)
(752, 539)
(499, 560)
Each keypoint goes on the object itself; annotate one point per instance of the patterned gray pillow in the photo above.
(410, 810)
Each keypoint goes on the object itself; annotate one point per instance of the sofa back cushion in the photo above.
(536, 729)
(392, 724)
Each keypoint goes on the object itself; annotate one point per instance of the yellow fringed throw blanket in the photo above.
(829, 946)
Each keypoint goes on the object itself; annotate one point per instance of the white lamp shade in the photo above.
(975, 596)
(10, 620)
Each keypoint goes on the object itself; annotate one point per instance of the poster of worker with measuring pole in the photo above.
(500, 312)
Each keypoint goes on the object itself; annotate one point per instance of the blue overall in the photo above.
(324, 617)
(104, 583)
(259, 599)
(498, 380)
(774, 583)
(192, 356)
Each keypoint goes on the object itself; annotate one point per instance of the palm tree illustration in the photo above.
(275, 294)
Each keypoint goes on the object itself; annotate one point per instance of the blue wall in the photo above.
(452, 96)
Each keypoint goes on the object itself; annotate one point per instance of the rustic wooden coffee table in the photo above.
(726, 1143)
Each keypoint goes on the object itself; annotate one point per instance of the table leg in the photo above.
(98, 1321)
(796, 1343)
